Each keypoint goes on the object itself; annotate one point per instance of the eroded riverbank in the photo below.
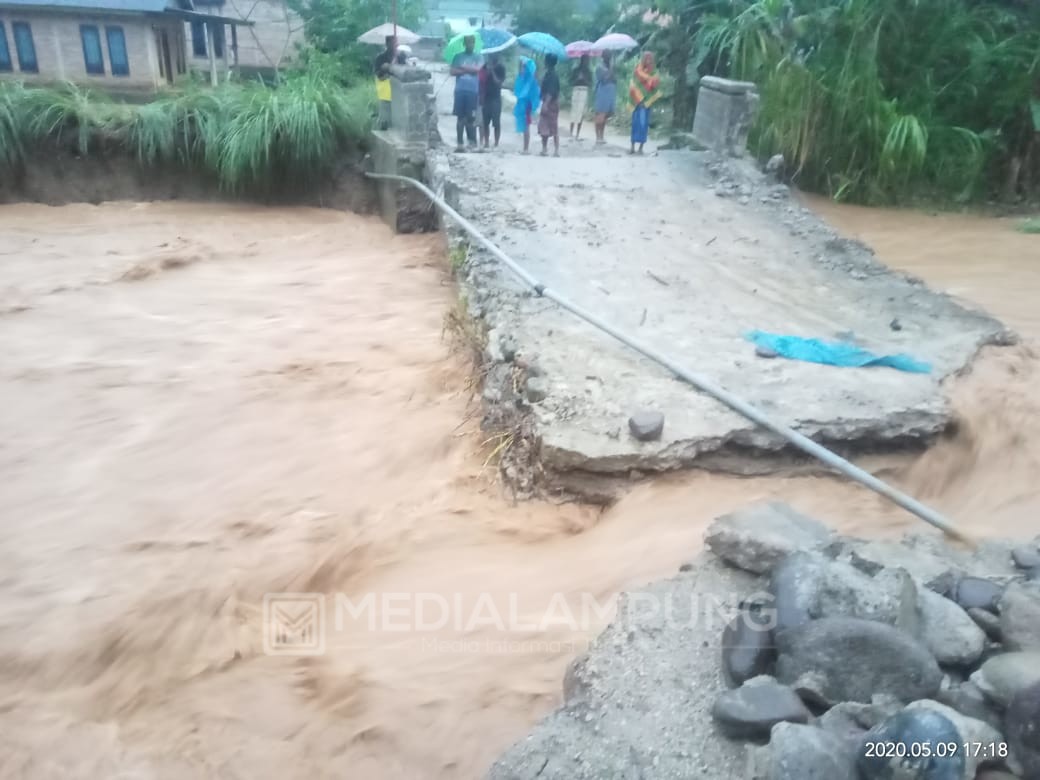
(202, 406)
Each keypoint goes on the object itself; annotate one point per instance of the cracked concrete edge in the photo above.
(492, 294)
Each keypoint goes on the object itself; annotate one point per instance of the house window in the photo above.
(218, 41)
(117, 51)
(198, 38)
(24, 46)
(5, 53)
(93, 59)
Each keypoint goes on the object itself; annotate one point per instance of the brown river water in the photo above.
(205, 405)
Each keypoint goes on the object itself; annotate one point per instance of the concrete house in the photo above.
(119, 45)
(270, 40)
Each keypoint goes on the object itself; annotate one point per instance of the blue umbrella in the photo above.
(543, 43)
(495, 40)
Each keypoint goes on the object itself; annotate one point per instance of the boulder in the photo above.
(754, 708)
(844, 591)
(748, 649)
(1020, 616)
(977, 593)
(971, 730)
(924, 565)
(948, 631)
(848, 659)
(904, 747)
(968, 699)
(1022, 727)
(1003, 676)
(1026, 556)
(798, 752)
(987, 621)
(757, 538)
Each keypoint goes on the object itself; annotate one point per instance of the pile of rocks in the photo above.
(872, 660)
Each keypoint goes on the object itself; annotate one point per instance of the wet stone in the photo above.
(846, 659)
(1022, 727)
(1004, 675)
(753, 709)
(977, 593)
(798, 752)
(537, 389)
(887, 751)
(1026, 557)
(1020, 616)
(758, 537)
(646, 425)
(748, 649)
(987, 621)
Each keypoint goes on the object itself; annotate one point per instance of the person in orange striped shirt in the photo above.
(643, 92)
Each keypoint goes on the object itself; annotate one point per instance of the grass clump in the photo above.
(884, 101)
(246, 135)
(1030, 226)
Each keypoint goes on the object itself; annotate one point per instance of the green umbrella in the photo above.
(455, 45)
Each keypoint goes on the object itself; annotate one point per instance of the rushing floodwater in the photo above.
(201, 406)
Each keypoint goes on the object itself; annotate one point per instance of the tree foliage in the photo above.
(332, 27)
(567, 20)
(880, 100)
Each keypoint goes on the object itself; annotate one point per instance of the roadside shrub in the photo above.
(885, 101)
(248, 136)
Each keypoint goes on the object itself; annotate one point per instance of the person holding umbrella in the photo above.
(381, 68)
(528, 98)
(581, 80)
(465, 67)
(549, 118)
(606, 96)
(492, 76)
(643, 92)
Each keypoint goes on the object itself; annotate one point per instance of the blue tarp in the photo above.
(833, 353)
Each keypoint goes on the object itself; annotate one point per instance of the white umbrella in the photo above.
(615, 42)
(378, 35)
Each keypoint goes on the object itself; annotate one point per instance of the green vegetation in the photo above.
(332, 28)
(246, 135)
(1030, 226)
(879, 101)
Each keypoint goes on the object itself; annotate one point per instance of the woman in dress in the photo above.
(606, 96)
(549, 118)
(643, 92)
(528, 98)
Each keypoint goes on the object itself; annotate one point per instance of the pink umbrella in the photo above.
(615, 42)
(576, 49)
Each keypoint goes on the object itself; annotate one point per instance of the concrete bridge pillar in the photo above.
(725, 112)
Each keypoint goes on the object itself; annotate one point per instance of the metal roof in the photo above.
(169, 7)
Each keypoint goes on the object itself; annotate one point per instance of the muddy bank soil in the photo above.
(57, 176)
(689, 254)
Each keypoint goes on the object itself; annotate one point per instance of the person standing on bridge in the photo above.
(643, 92)
(549, 118)
(381, 67)
(528, 98)
(581, 80)
(492, 76)
(606, 96)
(465, 67)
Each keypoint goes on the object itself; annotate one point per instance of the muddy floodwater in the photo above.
(205, 404)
